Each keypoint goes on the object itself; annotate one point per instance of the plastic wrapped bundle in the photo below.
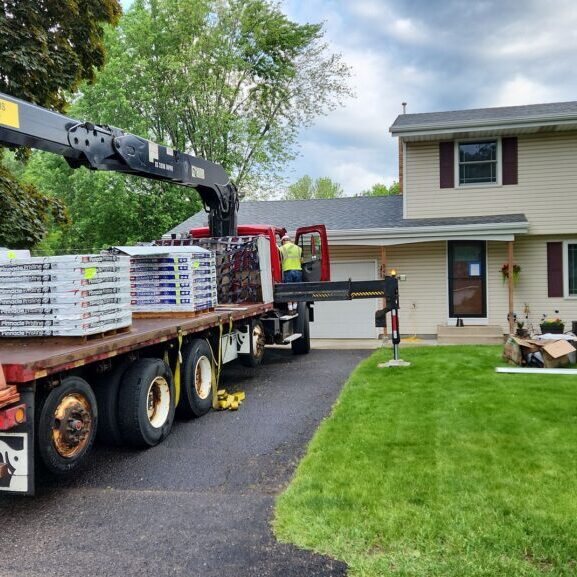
(167, 281)
(73, 295)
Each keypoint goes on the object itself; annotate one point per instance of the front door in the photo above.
(467, 279)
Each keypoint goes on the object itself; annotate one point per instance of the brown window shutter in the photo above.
(509, 152)
(447, 164)
(555, 269)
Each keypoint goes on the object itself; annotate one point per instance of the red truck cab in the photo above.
(312, 240)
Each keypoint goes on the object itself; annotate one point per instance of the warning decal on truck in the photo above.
(14, 462)
(9, 114)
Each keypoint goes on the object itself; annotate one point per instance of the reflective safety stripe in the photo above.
(291, 256)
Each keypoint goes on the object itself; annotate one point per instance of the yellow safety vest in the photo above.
(291, 256)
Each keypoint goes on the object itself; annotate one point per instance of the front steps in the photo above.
(470, 335)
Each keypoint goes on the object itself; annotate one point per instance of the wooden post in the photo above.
(511, 289)
(383, 273)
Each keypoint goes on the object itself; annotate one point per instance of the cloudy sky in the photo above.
(434, 55)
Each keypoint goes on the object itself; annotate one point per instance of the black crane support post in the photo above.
(101, 147)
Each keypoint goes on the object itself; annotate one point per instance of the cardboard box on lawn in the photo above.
(552, 354)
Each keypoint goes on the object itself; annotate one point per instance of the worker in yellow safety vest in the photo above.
(291, 263)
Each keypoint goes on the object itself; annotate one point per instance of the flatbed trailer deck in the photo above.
(27, 359)
(61, 391)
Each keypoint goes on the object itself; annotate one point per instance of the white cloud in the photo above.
(521, 90)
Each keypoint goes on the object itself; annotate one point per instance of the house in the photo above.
(492, 162)
(484, 191)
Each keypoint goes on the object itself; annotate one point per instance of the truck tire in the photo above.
(254, 359)
(197, 379)
(146, 403)
(66, 425)
(302, 346)
(106, 388)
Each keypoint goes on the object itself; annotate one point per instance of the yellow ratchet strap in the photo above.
(177, 370)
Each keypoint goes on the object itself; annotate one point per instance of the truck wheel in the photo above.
(66, 425)
(197, 379)
(106, 389)
(254, 359)
(146, 403)
(302, 346)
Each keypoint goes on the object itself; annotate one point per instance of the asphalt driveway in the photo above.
(199, 504)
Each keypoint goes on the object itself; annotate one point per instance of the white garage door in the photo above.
(347, 319)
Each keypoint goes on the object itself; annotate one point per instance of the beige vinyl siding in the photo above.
(546, 191)
(531, 255)
(355, 253)
(423, 295)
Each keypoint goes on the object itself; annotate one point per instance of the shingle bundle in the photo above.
(72, 295)
(172, 281)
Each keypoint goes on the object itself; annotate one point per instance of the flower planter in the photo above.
(554, 329)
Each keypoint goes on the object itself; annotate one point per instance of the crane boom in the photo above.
(102, 147)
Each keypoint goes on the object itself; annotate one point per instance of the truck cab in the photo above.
(312, 240)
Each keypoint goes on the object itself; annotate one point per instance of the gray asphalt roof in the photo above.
(550, 111)
(350, 213)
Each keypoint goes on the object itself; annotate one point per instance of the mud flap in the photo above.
(17, 453)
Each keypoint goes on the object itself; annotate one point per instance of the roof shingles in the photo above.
(337, 214)
(528, 112)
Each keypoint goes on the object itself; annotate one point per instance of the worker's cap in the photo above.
(286, 237)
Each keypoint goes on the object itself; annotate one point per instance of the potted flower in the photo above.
(505, 272)
(552, 325)
(522, 332)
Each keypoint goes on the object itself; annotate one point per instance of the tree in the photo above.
(231, 81)
(305, 188)
(24, 212)
(47, 47)
(107, 208)
(380, 189)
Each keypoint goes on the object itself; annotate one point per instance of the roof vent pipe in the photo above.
(404, 107)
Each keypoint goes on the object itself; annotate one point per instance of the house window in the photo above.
(478, 162)
(571, 269)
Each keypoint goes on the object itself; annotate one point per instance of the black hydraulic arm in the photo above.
(101, 147)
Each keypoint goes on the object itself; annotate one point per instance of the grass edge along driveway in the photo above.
(443, 468)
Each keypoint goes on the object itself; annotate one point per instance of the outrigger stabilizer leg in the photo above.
(392, 306)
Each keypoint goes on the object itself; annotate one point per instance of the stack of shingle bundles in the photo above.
(243, 266)
(180, 280)
(72, 295)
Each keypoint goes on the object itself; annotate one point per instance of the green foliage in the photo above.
(107, 208)
(305, 188)
(443, 468)
(380, 189)
(229, 81)
(49, 46)
(25, 213)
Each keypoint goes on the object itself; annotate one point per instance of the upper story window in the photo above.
(478, 162)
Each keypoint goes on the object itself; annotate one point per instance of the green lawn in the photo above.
(444, 468)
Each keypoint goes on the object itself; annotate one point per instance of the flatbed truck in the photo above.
(57, 394)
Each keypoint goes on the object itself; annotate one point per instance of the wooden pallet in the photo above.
(170, 314)
(95, 336)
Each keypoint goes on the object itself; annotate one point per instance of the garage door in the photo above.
(347, 319)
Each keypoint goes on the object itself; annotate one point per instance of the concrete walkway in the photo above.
(364, 344)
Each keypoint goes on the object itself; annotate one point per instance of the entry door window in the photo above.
(467, 292)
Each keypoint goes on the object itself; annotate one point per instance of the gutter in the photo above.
(496, 231)
(452, 126)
